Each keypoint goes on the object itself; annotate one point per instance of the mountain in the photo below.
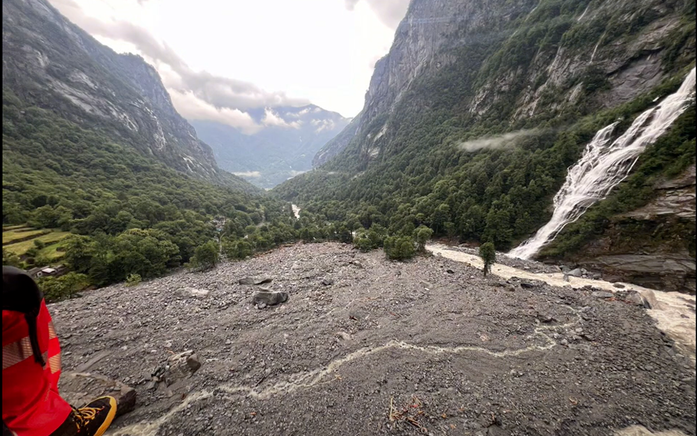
(284, 148)
(102, 175)
(473, 117)
(51, 63)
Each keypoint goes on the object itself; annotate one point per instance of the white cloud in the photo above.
(496, 142)
(271, 119)
(252, 174)
(193, 108)
(321, 125)
(229, 54)
(390, 12)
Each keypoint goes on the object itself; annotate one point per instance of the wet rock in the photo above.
(634, 298)
(602, 294)
(79, 388)
(618, 285)
(577, 272)
(180, 366)
(267, 297)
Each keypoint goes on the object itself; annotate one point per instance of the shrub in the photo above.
(237, 250)
(488, 254)
(205, 256)
(363, 242)
(399, 247)
(60, 288)
(422, 234)
(133, 279)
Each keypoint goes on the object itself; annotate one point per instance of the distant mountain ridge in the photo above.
(285, 147)
(52, 63)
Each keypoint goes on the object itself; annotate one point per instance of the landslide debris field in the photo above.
(366, 346)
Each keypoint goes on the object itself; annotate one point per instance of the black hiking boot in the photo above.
(93, 419)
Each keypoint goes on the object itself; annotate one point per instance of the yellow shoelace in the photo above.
(86, 414)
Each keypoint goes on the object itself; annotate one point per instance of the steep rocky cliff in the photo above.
(520, 60)
(49, 62)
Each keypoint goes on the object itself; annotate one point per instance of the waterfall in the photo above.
(603, 166)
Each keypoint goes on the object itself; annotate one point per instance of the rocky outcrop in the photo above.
(669, 272)
(51, 63)
(675, 197)
(627, 251)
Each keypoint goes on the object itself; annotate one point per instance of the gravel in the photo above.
(366, 346)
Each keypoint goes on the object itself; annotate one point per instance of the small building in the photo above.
(48, 271)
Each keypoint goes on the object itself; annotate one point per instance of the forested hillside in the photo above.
(473, 137)
(105, 175)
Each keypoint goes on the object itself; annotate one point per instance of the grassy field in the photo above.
(15, 227)
(51, 238)
(10, 236)
(53, 251)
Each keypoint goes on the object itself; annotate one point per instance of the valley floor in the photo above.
(365, 346)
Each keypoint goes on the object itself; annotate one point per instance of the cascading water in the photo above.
(603, 166)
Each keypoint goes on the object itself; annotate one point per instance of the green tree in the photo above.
(11, 259)
(60, 288)
(422, 234)
(399, 247)
(206, 256)
(487, 252)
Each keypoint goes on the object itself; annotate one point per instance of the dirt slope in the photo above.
(365, 346)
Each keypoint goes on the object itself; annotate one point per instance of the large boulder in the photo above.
(264, 298)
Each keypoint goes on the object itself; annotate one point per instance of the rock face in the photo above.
(625, 253)
(436, 36)
(50, 62)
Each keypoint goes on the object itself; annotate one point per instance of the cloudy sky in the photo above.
(218, 59)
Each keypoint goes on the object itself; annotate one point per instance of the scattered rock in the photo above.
(527, 285)
(577, 272)
(602, 294)
(79, 388)
(345, 336)
(180, 366)
(449, 271)
(546, 318)
(327, 282)
(194, 292)
(634, 298)
(266, 298)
